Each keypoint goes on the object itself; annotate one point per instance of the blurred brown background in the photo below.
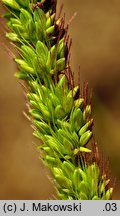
(96, 47)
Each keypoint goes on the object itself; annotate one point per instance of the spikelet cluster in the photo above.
(60, 112)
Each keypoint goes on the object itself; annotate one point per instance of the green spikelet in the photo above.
(61, 117)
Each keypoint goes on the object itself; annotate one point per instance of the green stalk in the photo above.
(59, 111)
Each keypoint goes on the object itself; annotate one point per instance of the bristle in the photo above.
(60, 11)
(70, 44)
(72, 18)
(96, 153)
(70, 77)
(78, 80)
(26, 116)
(91, 96)
(85, 93)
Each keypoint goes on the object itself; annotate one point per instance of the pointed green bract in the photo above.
(12, 4)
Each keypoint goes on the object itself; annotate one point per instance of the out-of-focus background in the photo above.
(96, 47)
